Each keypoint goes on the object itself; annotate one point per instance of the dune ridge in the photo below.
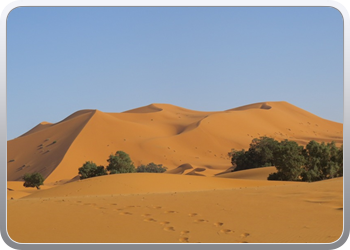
(163, 134)
(42, 148)
(197, 200)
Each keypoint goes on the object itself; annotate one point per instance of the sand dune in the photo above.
(43, 148)
(250, 174)
(179, 209)
(160, 133)
(197, 199)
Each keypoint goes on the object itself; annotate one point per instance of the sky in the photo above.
(64, 59)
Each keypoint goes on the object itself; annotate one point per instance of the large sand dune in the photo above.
(197, 200)
(160, 133)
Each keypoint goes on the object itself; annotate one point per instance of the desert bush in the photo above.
(151, 168)
(90, 169)
(288, 160)
(33, 180)
(317, 161)
(120, 162)
(323, 161)
(259, 154)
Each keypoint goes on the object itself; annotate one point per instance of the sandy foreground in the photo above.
(197, 200)
(164, 208)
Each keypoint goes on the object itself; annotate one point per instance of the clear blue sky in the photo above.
(61, 60)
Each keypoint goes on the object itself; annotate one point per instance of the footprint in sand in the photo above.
(114, 204)
(169, 229)
(244, 235)
(183, 239)
(157, 207)
(226, 231)
(243, 242)
(200, 220)
(90, 204)
(146, 215)
(218, 224)
(192, 214)
(164, 222)
(150, 220)
(125, 213)
(169, 212)
(184, 232)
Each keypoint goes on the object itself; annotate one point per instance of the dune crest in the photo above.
(160, 133)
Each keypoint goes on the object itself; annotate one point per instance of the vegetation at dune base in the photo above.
(33, 180)
(151, 168)
(314, 162)
(90, 169)
(120, 162)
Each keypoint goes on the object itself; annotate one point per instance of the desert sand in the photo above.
(197, 200)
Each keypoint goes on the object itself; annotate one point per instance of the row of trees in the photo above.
(317, 161)
(118, 163)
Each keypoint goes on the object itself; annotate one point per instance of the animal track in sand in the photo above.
(114, 204)
(157, 207)
(125, 213)
(145, 215)
(243, 242)
(192, 214)
(169, 229)
(218, 224)
(226, 231)
(183, 239)
(164, 222)
(150, 220)
(184, 232)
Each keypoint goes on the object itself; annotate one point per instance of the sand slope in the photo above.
(196, 200)
(160, 133)
(151, 208)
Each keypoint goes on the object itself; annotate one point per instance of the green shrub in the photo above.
(151, 168)
(120, 162)
(33, 180)
(259, 154)
(289, 160)
(317, 161)
(323, 161)
(90, 169)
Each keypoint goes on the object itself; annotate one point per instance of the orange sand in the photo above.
(196, 200)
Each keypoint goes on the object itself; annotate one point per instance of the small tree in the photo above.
(33, 180)
(323, 161)
(90, 169)
(289, 160)
(260, 154)
(120, 163)
(151, 168)
(339, 160)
